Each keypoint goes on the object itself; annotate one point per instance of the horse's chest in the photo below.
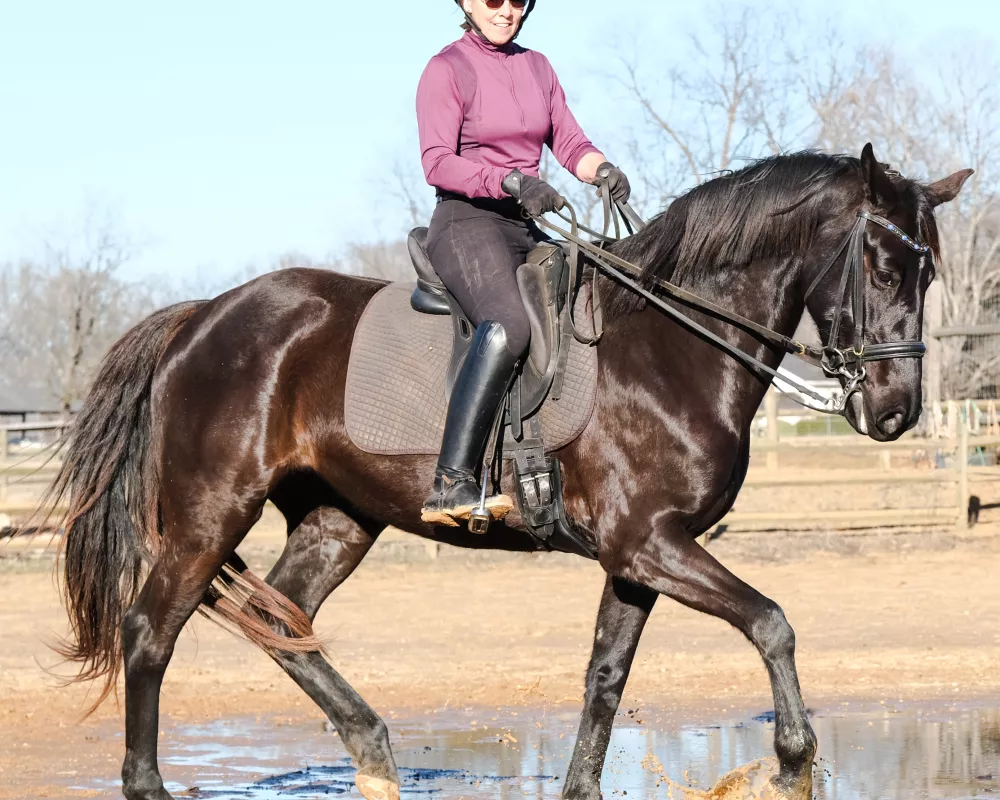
(721, 491)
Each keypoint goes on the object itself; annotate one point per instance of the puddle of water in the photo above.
(904, 754)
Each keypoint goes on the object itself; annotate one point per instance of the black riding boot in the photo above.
(479, 388)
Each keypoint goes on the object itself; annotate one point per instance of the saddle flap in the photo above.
(540, 282)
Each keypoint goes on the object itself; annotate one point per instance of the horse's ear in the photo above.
(947, 188)
(877, 184)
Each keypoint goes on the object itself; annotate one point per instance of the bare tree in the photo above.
(63, 312)
(407, 185)
(730, 97)
(384, 260)
(931, 129)
(388, 261)
(742, 92)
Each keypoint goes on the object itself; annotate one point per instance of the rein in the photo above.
(845, 363)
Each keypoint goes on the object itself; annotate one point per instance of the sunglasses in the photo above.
(495, 5)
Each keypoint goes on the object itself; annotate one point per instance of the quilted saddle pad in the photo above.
(396, 403)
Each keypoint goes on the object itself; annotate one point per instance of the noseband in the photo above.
(849, 362)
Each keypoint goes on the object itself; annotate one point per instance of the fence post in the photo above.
(938, 418)
(771, 409)
(962, 454)
(952, 419)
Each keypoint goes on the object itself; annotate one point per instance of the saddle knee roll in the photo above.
(539, 282)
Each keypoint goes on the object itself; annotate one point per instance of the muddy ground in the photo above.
(879, 617)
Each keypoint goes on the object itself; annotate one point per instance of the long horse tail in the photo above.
(109, 488)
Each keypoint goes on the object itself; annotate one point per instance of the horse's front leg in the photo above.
(672, 563)
(624, 610)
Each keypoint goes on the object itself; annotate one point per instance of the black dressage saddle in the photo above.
(544, 283)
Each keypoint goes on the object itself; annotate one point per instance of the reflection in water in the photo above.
(951, 752)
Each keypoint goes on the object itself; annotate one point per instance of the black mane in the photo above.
(770, 208)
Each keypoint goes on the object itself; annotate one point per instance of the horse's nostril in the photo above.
(891, 423)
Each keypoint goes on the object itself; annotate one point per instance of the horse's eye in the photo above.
(887, 278)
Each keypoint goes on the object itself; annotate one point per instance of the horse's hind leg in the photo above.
(322, 551)
(194, 546)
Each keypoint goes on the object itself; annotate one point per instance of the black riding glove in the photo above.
(608, 175)
(535, 195)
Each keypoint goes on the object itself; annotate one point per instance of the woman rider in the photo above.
(485, 107)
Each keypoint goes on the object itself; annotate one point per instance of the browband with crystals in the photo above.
(909, 241)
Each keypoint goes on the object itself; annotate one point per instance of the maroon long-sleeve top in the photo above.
(483, 111)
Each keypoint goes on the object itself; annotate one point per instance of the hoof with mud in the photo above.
(376, 788)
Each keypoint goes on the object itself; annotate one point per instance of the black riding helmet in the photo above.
(528, 8)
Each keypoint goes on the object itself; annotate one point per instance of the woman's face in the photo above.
(497, 21)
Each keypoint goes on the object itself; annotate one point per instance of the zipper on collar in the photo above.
(513, 94)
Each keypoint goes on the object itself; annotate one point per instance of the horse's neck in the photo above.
(763, 292)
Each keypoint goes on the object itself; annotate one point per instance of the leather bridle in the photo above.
(847, 363)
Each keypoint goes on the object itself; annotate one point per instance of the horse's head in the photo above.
(892, 250)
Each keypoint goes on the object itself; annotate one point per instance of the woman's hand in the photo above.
(611, 179)
(535, 195)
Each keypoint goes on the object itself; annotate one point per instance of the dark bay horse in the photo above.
(206, 410)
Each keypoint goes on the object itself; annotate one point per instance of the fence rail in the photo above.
(951, 434)
(16, 468)
(960, 475)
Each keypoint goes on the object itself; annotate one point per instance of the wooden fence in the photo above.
(951, 435)
(948, 463)
(960, 473)
(19, 466)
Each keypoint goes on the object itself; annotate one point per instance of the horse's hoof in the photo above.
(376, 788)
(154, 793)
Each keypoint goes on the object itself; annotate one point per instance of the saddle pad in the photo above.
(395, 403)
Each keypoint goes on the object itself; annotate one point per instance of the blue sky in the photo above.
(220, 134)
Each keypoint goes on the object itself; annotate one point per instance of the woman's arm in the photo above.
(594, 168)
(586, 169)
(439, 121)
(568, 143)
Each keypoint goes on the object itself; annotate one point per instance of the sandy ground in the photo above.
(878, 617)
